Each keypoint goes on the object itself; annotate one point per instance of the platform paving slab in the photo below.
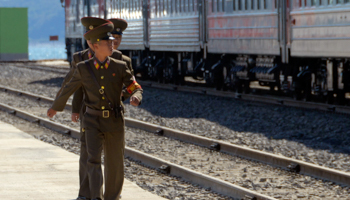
(32, 169)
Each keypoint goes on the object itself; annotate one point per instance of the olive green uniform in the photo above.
(102, 133)
(78, 95)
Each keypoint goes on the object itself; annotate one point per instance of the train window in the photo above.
(346, 1)
(191, 4)
(172, 6)
(188, 6)
(182, 6)
(212, 6)
(156, 8)
(166, 7)
(313, 2)
(240, 6)
(233, 5)
(338, 1)
(245, 4)
(177, 7)
(161, 7)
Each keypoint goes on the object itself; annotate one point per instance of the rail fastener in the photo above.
(294, 167)
(165, 169)
(160, 132)
(215, 146)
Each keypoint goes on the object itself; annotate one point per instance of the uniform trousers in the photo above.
(105, 134)
(84, 190)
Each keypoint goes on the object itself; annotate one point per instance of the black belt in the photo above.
(105, 113)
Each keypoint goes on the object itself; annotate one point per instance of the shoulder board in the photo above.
(117, 55)
(126, 58)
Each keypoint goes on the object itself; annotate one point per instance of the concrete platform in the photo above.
(31, 169)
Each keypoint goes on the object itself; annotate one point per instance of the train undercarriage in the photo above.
(307, 79)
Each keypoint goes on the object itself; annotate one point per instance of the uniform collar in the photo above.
(105, 63)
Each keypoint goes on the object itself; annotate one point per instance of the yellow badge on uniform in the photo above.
(133, 86)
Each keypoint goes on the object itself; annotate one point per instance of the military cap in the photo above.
(119, 26)
(99, 33)
(92, 22)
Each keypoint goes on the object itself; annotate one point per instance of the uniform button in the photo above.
(102, 107)
(102, 87)
(102, 77)
(101, 67)
(83, 130)
(103, 97)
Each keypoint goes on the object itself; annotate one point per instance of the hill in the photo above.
(45, 18)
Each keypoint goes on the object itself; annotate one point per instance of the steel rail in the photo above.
(274, 160)
(251, 97)
(213, 92)
(205, 181)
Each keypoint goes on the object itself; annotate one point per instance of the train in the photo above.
(298, 48)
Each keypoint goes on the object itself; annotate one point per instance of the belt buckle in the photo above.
(101, 91)
(105, 113)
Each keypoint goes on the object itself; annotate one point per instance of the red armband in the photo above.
(133, 86)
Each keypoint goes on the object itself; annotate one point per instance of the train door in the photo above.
(282, 7)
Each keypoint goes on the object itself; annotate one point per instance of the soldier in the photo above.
(89, 23)
(119, 27)
(77, 104)
(102, 78)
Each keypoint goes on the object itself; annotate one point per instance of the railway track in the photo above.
(283, 101)
(216, 185)
(289, 164)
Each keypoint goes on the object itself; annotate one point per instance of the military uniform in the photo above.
(78, 105)
(85, 55)
(103, 122)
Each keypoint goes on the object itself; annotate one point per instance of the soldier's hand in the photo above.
(134, 101)
(75, 117)
(51, 112)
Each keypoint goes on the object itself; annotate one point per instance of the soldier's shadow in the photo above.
(234, 119)
(53, 82)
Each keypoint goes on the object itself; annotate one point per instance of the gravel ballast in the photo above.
(313, 136)
(172, 115)
(163, 185)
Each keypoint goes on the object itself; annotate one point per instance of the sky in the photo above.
(45, 18)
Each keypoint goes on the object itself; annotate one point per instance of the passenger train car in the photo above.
(296, 47)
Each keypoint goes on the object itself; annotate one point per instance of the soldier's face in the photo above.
(116, 41)
(104, 47)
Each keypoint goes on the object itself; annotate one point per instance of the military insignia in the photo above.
(109, 34)
(91, 27)
(133, 86)
(113, 74)
(118, 29)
